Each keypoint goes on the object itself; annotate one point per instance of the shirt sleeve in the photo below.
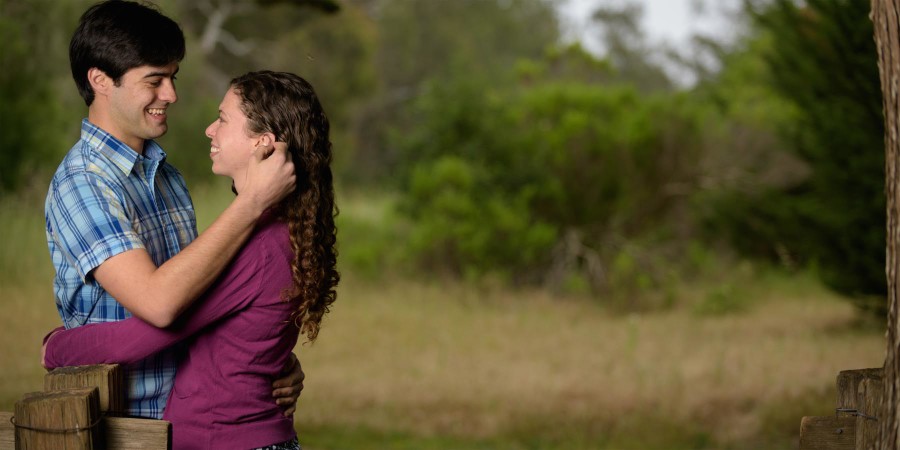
(89, 221)
(132, 339)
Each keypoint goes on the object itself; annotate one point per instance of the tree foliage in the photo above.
(33, 112)
(501, 180)
(823, 64)
(516, 154)
(626, 47)
(421, 42)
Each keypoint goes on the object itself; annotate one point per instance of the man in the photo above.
(119, 218)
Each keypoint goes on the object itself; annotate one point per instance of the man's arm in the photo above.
(159, 294)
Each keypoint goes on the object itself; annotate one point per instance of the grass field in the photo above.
(406, 364)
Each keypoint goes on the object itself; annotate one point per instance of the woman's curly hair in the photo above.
(286, 105)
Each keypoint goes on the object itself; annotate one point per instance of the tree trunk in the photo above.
(886, 18)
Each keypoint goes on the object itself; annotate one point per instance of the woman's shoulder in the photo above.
(271, 231)
(272, 239)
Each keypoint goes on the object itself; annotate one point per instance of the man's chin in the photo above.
(157, 131)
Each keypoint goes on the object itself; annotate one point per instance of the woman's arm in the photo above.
(133, 339)
(121, 342)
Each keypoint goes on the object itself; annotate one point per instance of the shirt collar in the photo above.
(120, 154)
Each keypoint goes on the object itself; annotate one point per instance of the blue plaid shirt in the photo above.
(106, 199)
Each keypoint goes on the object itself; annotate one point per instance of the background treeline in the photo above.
(507, 153)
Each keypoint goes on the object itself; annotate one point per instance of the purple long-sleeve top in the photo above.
(241, 337)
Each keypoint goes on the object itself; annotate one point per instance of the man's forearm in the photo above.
(159, 294)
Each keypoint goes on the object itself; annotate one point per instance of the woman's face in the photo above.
(231, 142)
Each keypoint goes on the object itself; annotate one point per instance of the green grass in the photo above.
(733, 363)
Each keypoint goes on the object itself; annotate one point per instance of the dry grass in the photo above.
(453, 360)
(26, 295)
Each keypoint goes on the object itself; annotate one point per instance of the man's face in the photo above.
(138, 103)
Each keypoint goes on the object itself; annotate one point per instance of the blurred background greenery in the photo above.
(542, 246)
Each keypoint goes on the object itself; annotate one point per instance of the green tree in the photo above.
(824, 66)
(627, 50)
(35, 88)
(421, 42)
(548, 176)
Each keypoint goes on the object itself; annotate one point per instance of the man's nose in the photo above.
(167, 92)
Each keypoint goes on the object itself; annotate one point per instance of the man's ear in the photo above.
(100, 82)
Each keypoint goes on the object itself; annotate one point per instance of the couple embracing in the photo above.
(204, 324)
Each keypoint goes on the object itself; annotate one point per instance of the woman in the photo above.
(281, 283)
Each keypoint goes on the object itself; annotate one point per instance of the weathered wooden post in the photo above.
(108, 378)
(66, 419)
(849, 400)
(870, 397)
(55, 418)
(851, 427)
(886, 20)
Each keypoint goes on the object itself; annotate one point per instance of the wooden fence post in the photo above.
(853, 425)
(72, 396)
(871, 391)
(109, 379)
(67, 419)
(848, 381)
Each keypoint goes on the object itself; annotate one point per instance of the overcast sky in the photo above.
(663, 20)
(671, 22)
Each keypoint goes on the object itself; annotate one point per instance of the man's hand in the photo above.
(270, 175)
(287, 389)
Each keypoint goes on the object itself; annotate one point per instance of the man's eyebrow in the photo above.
(161, 74)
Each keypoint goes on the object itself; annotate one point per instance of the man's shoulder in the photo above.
(82, 159)
(77, 157)
(81, 173)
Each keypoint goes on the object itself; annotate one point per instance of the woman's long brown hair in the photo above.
(287, 106)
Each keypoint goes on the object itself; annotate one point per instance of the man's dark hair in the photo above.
(116, 36)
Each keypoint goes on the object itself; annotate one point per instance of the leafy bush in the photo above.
(543, 180)
(463, 225)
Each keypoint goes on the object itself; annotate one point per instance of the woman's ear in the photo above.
(266, 139)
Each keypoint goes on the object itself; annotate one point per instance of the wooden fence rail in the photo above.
(80, 408)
